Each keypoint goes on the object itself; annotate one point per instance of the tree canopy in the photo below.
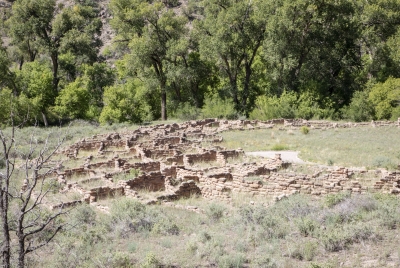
(328, 59)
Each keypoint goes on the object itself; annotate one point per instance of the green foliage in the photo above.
(215, 107)
(334, 199)
(275, 107)
(360, 108)
(186, 111)
(35, 82)
(73, 101)
(83, 215)
(305, 130)
(385, 97)
(307, 226)
(279, 147)
(231, 35)
(123, 103)
(151, 261)
(52, 186)
(231, 260)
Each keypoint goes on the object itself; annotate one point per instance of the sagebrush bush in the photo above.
(215, 211)
(307, 226)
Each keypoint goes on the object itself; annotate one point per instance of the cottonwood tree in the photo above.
(148, 30)
(43, 27)
(26, 225)
(231, 35)
(313, 45)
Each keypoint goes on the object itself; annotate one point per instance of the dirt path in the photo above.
(289, 156)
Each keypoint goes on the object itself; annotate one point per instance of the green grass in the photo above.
(363, 146)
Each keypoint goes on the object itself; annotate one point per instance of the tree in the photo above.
(231, 34)
(83, 98)
(378, 21)
(148, 30)
(313, 44)
(22, 191)
(34, 81)
(41, 27)
(386, 98)
(124, 103)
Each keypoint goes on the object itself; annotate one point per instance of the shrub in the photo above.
(121, 259)
(215, 107)
(275, 107)
(279, 147)
(334, 199)
(231, 260)
(305, 130)
(73, 100)
(151, 261)
(384, 97)
(304, 250)
(334, 240)
(360, 108)
(83, 215)
(123, 103)
(215, 211)
(52, 185)
(187, 111)
(165, 226)
(306, 226)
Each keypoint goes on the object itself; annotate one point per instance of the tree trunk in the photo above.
(5, 247)
(246, 88)
(54, 59)
(4, 182)
(163, 105)
(21, 250)
(45, 120)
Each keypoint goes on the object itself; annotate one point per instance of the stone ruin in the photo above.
(173, 161)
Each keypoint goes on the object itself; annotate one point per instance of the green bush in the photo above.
(215, 107)
(360, 108)
(187, 111)
(304, 250)
(385, 97)
(73, 100)
(151, 261)
(275, 107)
(279, 147)
(305, 130)
(311, 104)
(83, 215)
(124, 103)
(231, 260)
(334, 199)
